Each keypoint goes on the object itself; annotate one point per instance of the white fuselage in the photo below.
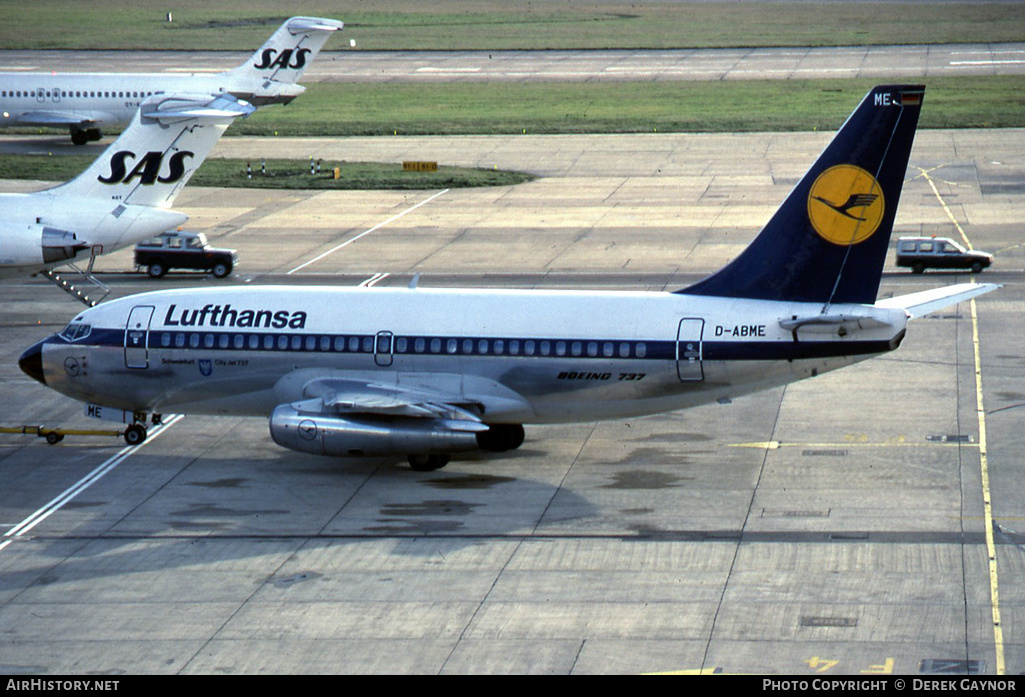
(110, 100)
(29, 222)
(525, 356)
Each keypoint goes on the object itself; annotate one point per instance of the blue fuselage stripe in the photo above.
(505, 347)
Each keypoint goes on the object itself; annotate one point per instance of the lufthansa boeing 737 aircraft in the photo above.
(428, 373)
(85, 103)
(125, 195)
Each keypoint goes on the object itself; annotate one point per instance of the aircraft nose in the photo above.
(31, 362)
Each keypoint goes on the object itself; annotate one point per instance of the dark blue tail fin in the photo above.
(828, 241)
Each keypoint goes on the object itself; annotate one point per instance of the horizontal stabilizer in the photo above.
(302, 25)
(207, 108)
(831, 324)
(926, 301)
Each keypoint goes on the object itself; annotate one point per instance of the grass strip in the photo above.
(280, 174)
(508, 24)
(630, 107)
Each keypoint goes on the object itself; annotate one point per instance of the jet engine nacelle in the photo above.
(323, 434)
(30, 245)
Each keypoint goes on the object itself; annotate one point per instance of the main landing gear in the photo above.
(499, 438)
(81, 136)
(136, 433)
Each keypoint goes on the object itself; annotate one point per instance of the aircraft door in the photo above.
(383, 348)
(136, 337)
(689, 350)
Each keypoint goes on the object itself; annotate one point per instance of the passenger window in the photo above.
(514, 347)
(268, 342)
(165, 339)
(467, 346)
(193, 340)
(297, 343)
(499, 347)
(311, 343)
(560, 348)
(368, 344)
(282, 343)
(179, 340)
(452, 345)
(339, 343)
(482, 347)
(354, 344)
(642, 350)
(592, 348)
(254, 341)
(325, 343)
(419, 345)
(608, 350)
(576, 348)
(401, 344)
(546, 348)
(528, 348)
(624, 350)
(435, 345)
(223, 341)
(240, 341)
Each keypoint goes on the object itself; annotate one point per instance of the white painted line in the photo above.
(367, 232)
(82, 484)
(990, 62)
(370, 282)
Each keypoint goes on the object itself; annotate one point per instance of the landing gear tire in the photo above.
(427, 463)
(135, 434)
(501, 438)
(82, 136)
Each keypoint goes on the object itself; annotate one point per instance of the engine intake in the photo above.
(338, 436)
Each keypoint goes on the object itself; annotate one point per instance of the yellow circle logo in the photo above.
(845, 205)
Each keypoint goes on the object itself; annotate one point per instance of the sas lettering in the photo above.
(742, 331)
(268, 61)
(147, 169)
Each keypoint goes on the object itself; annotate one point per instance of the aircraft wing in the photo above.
(58, 118)
(355, 397)
(926, 301)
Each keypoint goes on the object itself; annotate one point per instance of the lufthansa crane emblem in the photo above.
(846, 205)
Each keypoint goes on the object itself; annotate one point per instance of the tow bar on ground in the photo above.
(56, 435)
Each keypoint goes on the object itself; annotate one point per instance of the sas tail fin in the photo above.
(288, 51)
(153, 159)
(828, 241)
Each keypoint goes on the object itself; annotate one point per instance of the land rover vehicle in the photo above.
(177, 249)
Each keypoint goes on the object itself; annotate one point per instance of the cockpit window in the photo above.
(76, 331)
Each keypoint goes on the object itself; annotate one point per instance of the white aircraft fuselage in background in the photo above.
(427, 373)
(86, 103)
